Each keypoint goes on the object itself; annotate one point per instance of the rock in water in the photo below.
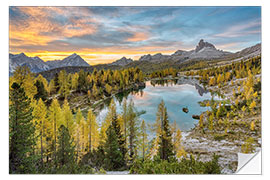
(185, 110)
(195, 116)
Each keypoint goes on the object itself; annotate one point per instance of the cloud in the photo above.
(104, 34)
(139, 36)
(243, 29)
(41, 25)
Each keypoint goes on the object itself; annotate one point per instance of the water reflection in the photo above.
(174, 95)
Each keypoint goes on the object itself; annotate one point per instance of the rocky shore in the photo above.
(203, 144)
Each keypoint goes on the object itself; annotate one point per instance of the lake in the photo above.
(175, 97)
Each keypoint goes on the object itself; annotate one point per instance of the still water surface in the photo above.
(175, 97)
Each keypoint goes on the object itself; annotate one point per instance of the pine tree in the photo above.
(165, 150)
(112, 115)
(21, 132)
(41, 91)
(44, 81)
(65, 152)
(82, 84)
(51, 88)
(56, 83)
(113, 155)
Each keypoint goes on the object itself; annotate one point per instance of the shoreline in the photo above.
(205, 145)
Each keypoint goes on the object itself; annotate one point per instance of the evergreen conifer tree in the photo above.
(114, 159)
(41, 91)
(165, 150)
(21, 132)
(66, 151)
(117, 128)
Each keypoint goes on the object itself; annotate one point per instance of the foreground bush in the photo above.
(185, 166)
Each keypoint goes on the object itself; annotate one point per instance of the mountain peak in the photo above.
(74, 55)
(202, 44)
(122, 62)
(22, 55)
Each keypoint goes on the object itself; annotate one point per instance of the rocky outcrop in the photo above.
(203, 44)
(122, 62)
(204, 50)
(155, 58)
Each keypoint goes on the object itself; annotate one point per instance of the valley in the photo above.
(223, 92)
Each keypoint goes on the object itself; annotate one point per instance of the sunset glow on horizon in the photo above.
(105, 34)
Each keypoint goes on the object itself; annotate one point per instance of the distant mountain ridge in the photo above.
(203, 51)
(34, 63)
(38, 65)
(122, 62)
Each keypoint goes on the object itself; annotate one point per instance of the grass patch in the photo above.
(219, 137)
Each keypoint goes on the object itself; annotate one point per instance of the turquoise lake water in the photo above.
(175, 97)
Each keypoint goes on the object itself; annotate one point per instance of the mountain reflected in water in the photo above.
(175, 97)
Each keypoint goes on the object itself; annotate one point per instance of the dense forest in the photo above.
(47, 136)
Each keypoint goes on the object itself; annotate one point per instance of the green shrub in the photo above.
(185, 166)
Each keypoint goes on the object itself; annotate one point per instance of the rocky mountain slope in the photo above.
(38, 65)
(34, 63)
(203, 50)
(121, 62)
(72, 60)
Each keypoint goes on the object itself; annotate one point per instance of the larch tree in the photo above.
(210, 122)
(74, 81)
(201, 121)
(26, 80)
(64, 86)
(41, 122)
(124, 117)
(144, 140)
(83, 135)
(132, 131)
(92, 130)
(55, 120)
(179, 149)
(67, 116)
(79, 121)
(22, 137)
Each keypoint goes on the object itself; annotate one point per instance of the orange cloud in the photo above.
(139, 36)
(39, 29)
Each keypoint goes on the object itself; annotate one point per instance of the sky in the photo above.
(105, 34)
